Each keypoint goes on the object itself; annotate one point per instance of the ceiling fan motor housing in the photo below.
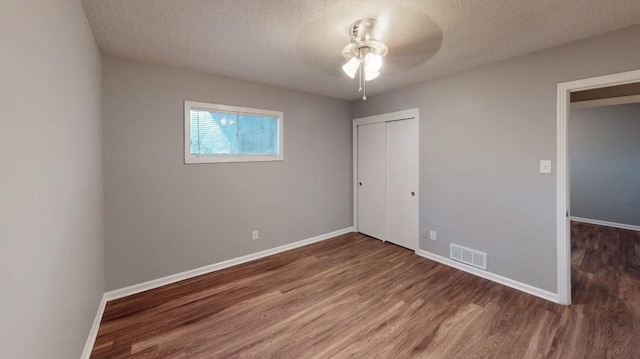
(364, 39)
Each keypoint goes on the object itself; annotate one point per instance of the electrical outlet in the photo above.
(432, 235)
(254, 235)
(424, 234)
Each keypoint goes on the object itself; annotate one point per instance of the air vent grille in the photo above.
(468, 256)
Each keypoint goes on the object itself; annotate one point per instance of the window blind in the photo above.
(222, 133)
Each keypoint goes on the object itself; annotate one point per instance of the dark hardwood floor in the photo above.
(354, 296)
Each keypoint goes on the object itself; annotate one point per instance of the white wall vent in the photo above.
(468, 256)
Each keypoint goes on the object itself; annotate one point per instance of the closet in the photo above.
(386, 177)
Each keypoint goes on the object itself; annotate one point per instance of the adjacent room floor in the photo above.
(354, 296)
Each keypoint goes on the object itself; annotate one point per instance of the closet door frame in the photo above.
(386, 117)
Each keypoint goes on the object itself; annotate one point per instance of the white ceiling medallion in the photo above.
(364, 53)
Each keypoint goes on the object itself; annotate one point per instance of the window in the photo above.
(219, 133)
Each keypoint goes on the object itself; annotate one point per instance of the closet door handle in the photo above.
(413, 194)
(360, 183)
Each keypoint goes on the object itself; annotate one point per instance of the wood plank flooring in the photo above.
(353, 296)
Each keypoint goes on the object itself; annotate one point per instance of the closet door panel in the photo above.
(372, 186)
(402, 183)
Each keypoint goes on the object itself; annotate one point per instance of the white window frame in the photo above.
(222, 158)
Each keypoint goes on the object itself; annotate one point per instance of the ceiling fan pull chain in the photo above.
(364, 84)
(360, 70)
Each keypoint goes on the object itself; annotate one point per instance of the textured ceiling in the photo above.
(297, 43)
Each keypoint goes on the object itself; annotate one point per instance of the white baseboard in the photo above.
(93, 333)
(553, 297)
(605, 223)
(141, 287)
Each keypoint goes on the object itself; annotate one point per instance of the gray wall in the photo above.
(482, 134)
(604, 150)
(51, 254)
(163, 217)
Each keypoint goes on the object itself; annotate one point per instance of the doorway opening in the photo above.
(585, 87)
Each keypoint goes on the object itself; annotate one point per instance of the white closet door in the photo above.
(372, 187)
(402, 183)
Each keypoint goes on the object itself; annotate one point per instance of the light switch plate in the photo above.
(545, 166)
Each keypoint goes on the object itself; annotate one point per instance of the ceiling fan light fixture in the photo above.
(373, 61)
(351, 67)
(364, 52)
(371, 74)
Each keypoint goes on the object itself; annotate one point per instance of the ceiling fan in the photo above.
(389, 41)
(364, 53)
